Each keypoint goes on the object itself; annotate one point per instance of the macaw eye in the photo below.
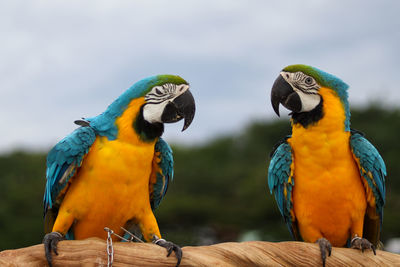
(158, 92)
(308, 80)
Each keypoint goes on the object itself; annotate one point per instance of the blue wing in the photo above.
(63, 161)
(281, 182)
(373, 172)
(163, 169)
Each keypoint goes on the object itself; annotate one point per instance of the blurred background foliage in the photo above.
(220, 189)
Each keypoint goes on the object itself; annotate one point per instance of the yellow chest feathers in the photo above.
(123, 160)
(325, 143)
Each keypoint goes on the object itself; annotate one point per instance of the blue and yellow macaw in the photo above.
(114, 170)
(328, 180)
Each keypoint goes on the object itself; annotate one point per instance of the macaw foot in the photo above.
(169, 246)
(50, 242)
(362, 243)
(324, 245)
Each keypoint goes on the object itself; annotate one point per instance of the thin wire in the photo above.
(132, 236)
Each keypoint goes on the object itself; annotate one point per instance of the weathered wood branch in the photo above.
(92, 252)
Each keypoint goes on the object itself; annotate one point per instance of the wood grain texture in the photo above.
(92, 252)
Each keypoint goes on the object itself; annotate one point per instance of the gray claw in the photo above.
(50, 242)
(324, 245)
(169, 246)
(362, 243)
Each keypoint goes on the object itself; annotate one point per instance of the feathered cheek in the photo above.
(308, 101)
(152, 112)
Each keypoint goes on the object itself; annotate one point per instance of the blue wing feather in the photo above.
(63, 160)
(164, 173)
(281, 184)
(370, 161)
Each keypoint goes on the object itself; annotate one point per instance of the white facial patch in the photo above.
(309, 94)
(158, 98)
(308, 101)
(152, 112)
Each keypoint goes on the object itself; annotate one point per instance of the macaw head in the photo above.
(161, 99)
(298, 88)
(167, 100)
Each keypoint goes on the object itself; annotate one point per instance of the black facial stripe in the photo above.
(305, 90)
(152, 94)
(157, 100)
(309, 93)
(311, 86)
(153, 102)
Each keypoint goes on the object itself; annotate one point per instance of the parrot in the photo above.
(328, 179)
(114, 169)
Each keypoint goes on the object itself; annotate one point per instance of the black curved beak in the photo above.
(181, 107)
(283, 93)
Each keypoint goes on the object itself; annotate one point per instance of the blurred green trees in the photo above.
(220, 189)
(21, 211)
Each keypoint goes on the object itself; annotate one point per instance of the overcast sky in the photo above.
(63, 60)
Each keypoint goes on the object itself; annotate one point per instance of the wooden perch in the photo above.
(92, 252)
